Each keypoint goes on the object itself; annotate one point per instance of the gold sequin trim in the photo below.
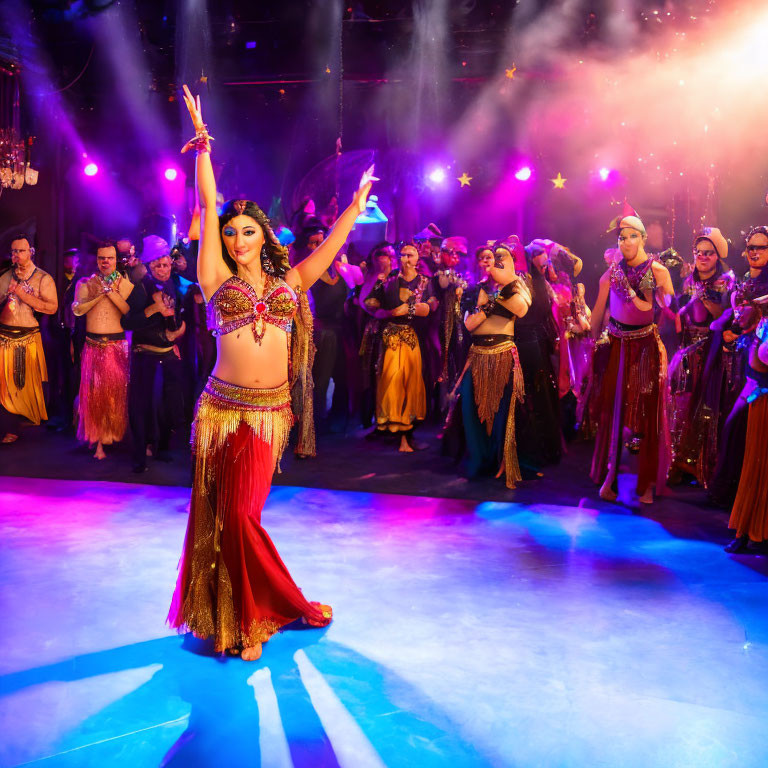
(395, 334)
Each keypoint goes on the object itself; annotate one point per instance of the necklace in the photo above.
(24, 281)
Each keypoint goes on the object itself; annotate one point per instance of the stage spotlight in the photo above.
(524, 174)
(437, 176)
(171, 174)
(604, 173)
(91, 169)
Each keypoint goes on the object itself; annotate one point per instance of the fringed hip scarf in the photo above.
(634, 395)
(232, 583)
(222, 407)
(494, 365)
(103, 400)
(22, 372)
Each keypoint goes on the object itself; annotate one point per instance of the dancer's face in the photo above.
(541, 261)
(21, 253)
(382, 261)
(757, 250)
(243, 238)
(485, 260)
(160, 268)
(106, 259)
(449, 257)
(314, 241)
(409, 257)
(502, 268)
(706, 256)
(630, 242)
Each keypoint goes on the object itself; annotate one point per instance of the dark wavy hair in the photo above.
(310, 227)
(277, 254)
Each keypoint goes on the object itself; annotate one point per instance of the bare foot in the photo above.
(606, 490)
(647, 497)
(251, 654)
(10, 438)
(99, 452)
(404, 445)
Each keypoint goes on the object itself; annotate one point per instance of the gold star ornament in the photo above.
(559, 181)
(464, 179)
(510, 73)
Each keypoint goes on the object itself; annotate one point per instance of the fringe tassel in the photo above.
(20, 366)
(511, 464)
(491, 371)
(302, 355)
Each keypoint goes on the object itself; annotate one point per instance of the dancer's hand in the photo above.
(202, 140)
(193, 105)
(361, 196)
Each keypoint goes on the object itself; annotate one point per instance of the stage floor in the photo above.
(466, 634)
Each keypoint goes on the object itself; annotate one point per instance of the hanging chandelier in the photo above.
(15, 167)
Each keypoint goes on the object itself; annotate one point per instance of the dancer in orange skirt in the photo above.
(232, 584)
(749, 516)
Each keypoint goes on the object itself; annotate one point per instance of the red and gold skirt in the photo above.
(233, 585)
(633, 396)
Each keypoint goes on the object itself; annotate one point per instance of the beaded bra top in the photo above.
(639, 279)
(235, 304)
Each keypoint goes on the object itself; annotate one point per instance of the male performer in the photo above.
(400, 394)
(155, 412)
(103, 406)
(24, 290)
(634, 383)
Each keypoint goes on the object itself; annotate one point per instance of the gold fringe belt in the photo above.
(492, 368)
(222, 407)
(635, 333)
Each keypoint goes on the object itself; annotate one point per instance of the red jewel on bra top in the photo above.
(261, 307)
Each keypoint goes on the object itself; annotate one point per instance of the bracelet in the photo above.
(488, 309)
(508, 290)
(201, 141)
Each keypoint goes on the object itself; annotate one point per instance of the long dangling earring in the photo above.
(266, 262)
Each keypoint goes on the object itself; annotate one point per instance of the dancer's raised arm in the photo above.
(308, 271)
(211, 269)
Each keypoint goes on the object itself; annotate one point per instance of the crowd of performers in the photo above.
(499, 348)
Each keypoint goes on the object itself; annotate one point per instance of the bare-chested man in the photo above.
(24, 291)
(633, 393)
(102, 298)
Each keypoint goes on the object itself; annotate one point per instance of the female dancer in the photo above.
(540, 439)
(232, 583)
(633, 393)
(481, 422)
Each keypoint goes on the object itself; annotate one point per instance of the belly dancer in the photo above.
(632, 397)
(232, 584)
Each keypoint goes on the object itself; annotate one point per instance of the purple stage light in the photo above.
(524, 174)
(437, 176)
(171, 174)
(604, 173)
(91, 169)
